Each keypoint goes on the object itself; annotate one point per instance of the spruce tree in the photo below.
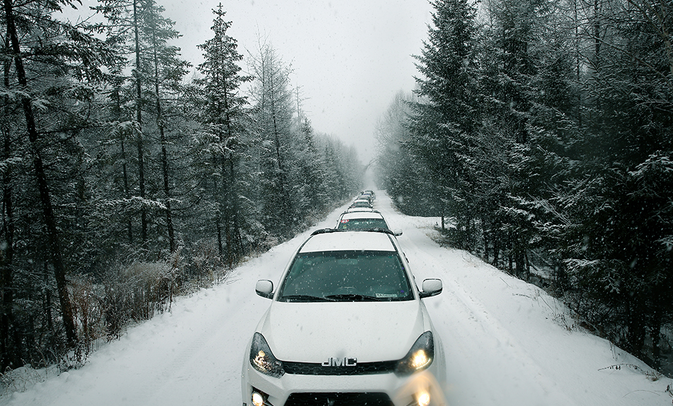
(272, 113)
(443, 121)
(143, 35)
(51, 70)
(224, 118)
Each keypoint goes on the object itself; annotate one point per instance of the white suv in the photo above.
(367, 221)
(346, 326)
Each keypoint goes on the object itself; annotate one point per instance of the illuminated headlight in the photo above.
(422, 398)
(262, 359)
(419, 357)
(258, 398)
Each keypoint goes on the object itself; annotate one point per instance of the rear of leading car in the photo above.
(362, 221)
(345, 327)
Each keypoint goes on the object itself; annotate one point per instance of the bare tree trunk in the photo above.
(167, 192)
(10, 342)
(219, 235)
(164, 154)
(127, 192)
(125, 176)
(139, 116)
(236, 241)
(8, 347)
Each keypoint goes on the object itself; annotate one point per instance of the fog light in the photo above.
(423, 398)
(257, 399)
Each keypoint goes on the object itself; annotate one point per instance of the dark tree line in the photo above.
(124, 183)
(544, 131)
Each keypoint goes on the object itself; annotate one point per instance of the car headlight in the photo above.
(262, 359)
(419, 357)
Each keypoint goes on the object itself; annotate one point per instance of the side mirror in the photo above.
(397, 232)
(264, 288)
(431, 287)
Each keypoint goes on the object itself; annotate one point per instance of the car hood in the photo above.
(368, 331)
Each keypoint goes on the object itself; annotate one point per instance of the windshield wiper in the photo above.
(304, 298)
(353, 297)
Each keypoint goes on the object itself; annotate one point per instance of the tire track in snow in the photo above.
(204, 366)
(498, 352)
(485, 363)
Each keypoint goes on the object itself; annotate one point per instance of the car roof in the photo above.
(360, 210)
(361, 215)
(348, 241)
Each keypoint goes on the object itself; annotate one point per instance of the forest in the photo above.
(125, 182)
(542, 131)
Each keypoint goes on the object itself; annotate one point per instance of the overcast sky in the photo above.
(349, 57)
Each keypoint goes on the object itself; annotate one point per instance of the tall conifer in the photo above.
(224, 118)
(443, 121)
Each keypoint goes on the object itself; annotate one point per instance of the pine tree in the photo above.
(617, 250)
(272, 116)
(308, 173)
(167, 71)
(443, 122)
(54, 91)
(224, 118)
(521, 126)
(143, 35)
(402, 174)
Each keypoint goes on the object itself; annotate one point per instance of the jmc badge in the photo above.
(340, 362)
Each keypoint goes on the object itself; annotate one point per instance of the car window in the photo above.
(346, 276)
(362, 224)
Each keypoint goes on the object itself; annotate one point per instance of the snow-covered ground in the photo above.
(506, 342)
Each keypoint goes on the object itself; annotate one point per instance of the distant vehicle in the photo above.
(346, 326)
(364, 220)
(364, 197)
(361, 203)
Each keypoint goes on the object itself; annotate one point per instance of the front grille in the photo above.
(339, 399)
(364, 368)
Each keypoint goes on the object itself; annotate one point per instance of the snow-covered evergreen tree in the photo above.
(444, 119)
(51, 74)
(401, 173)
(142, 105)
(272, 111)
(224, 118)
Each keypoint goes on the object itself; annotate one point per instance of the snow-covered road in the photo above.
(506, 342)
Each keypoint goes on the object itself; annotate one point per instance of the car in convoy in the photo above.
(370, 194)
(361, 204)
(364, 221)
(364, 196)
(347, 325)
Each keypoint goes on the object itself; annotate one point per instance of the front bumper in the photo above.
(419, 389)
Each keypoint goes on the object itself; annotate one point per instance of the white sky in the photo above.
(349, 57)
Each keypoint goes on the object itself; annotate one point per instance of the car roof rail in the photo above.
(336, 230)
(324, 231)
(374, 230)
(351, 212)
(383, 230)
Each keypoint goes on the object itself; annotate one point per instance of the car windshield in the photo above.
(346, 276)
(362, 224)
